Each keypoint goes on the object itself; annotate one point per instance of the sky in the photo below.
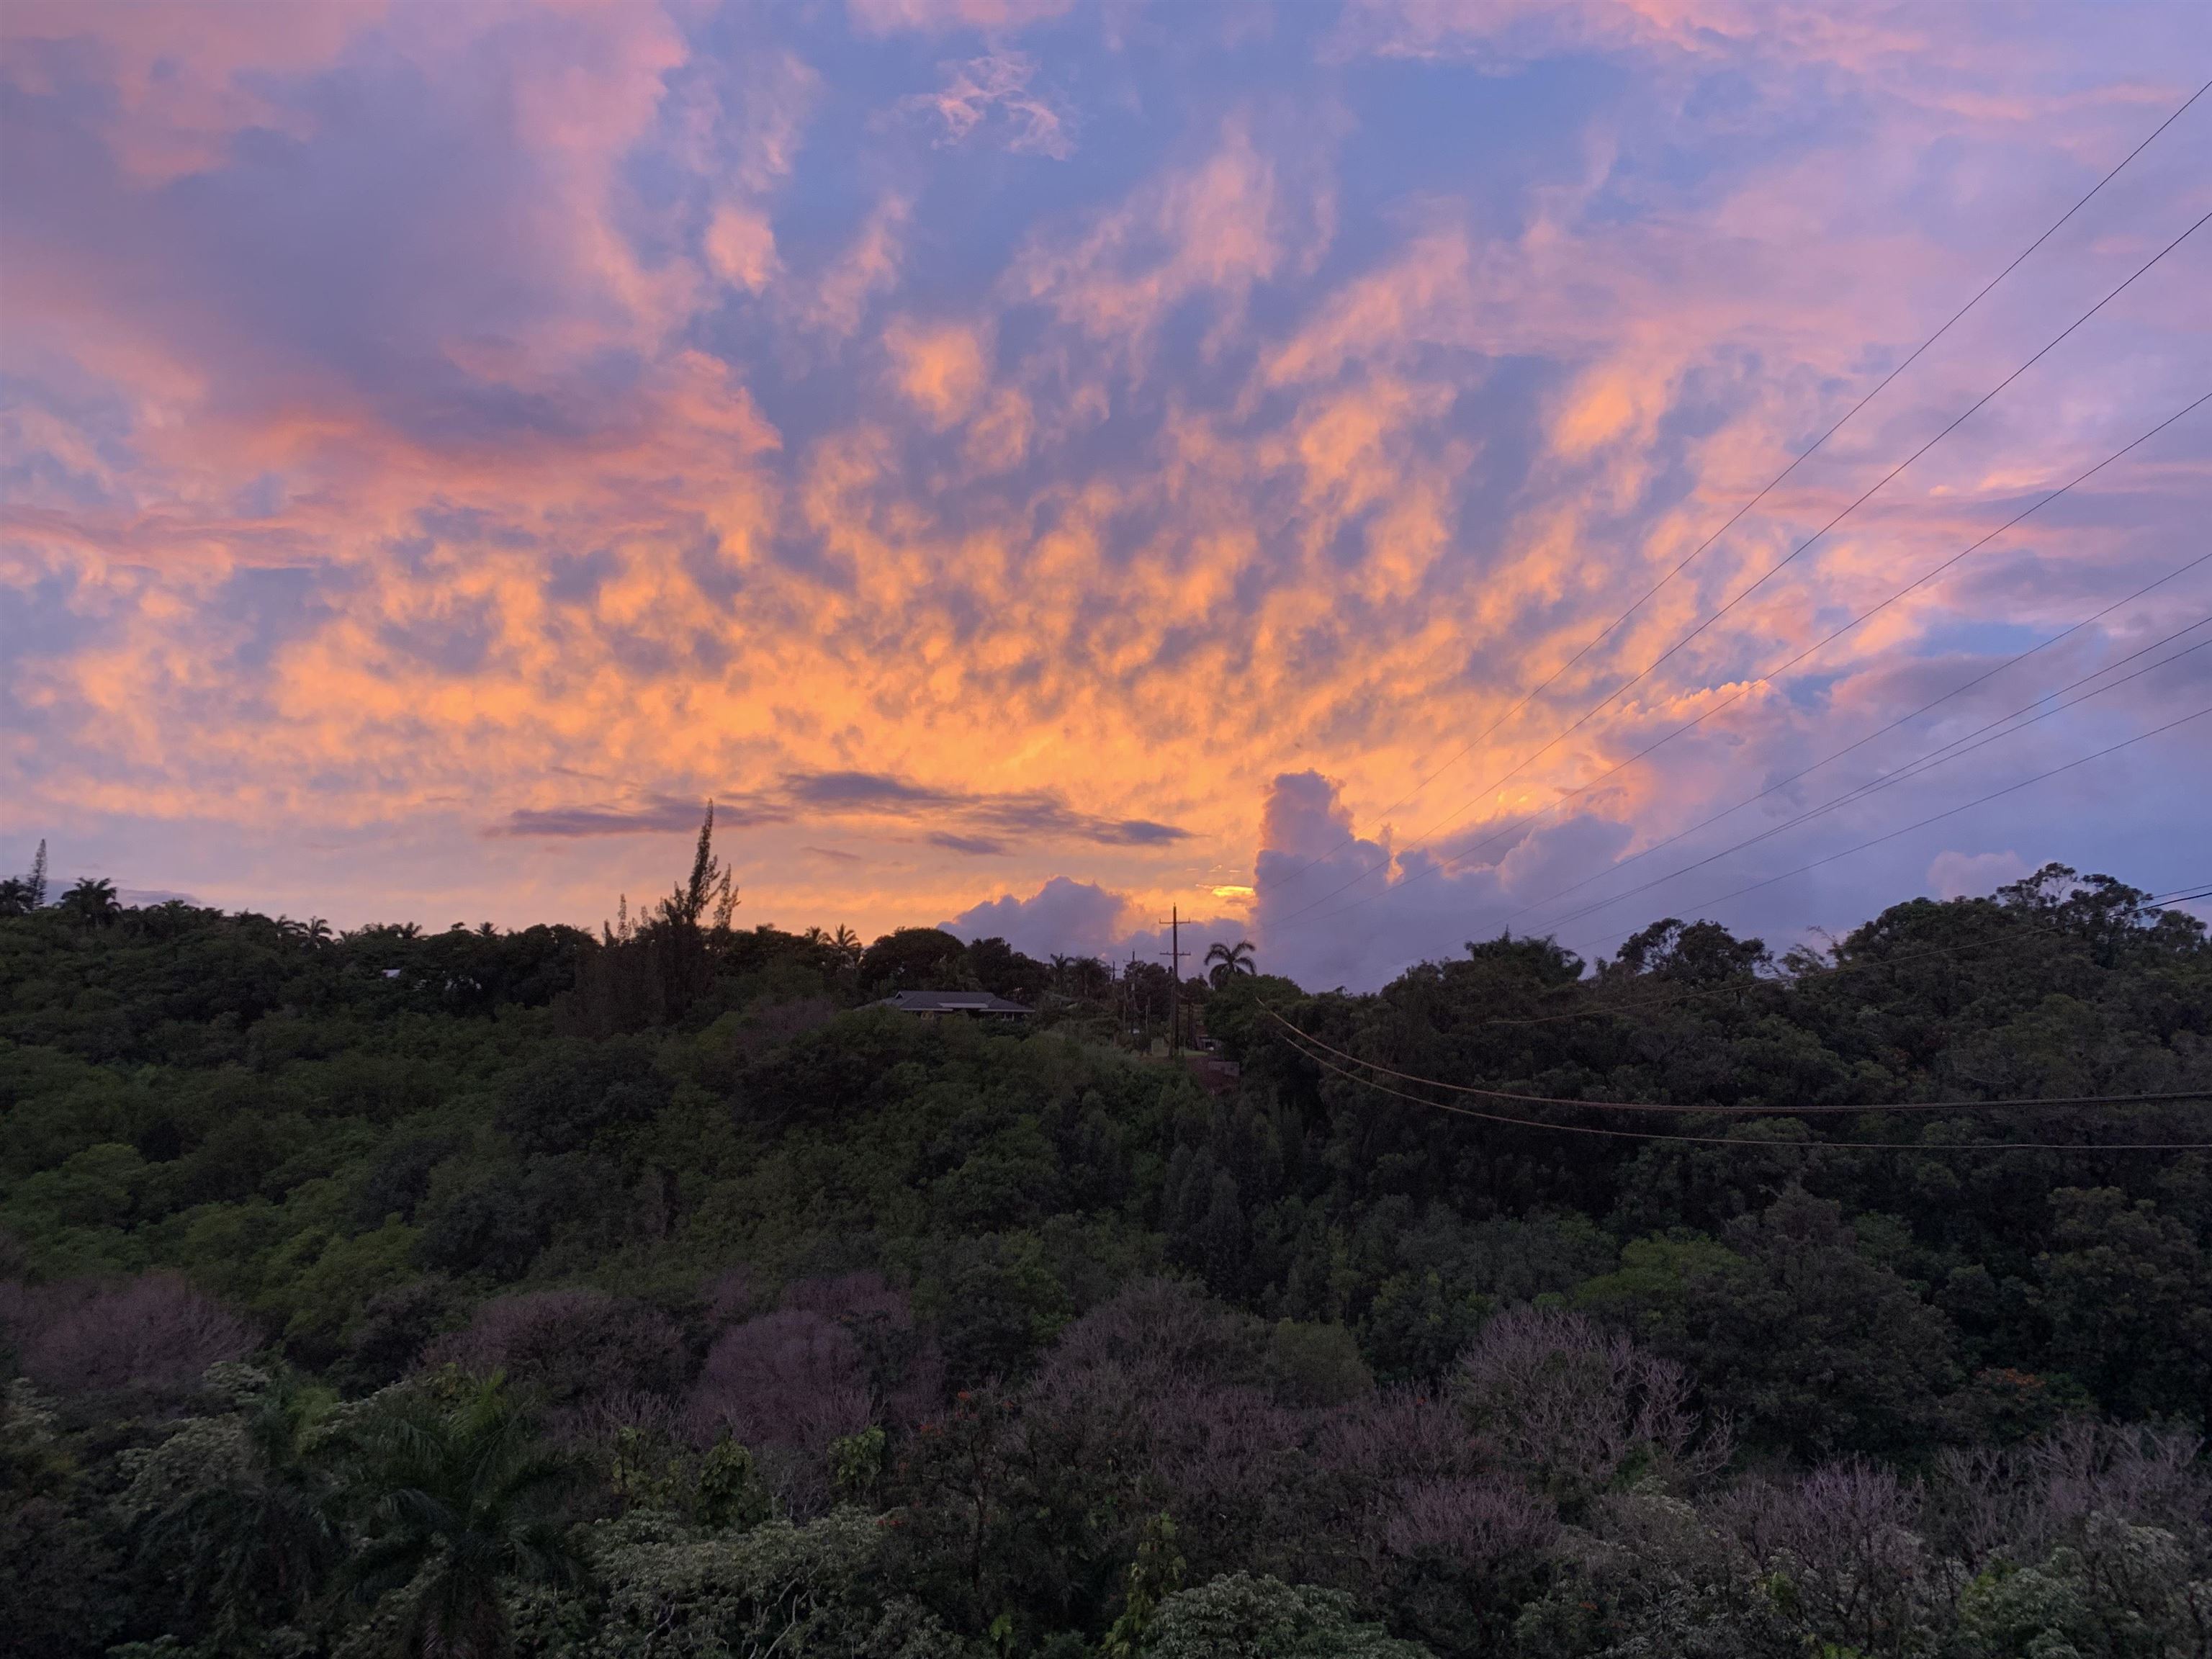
(1039, 467)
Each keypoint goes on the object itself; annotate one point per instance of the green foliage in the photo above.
(2121, 1592)
(1316, 1364)
(730, 1495)
(1240, 1616)
(856, 1463)
(916, 959)
(663, 1591)
(1154, 1576)
(456, 1501)
(1419, 1377)
(239, 1511)
(62, 1586)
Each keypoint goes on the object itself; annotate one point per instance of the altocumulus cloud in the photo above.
(998, 433)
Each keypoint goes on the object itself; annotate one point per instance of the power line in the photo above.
(1937, 817)
(1744, 690)
(1768, 490)
(1802, 456)
(1743, 1142)
(1958, 749)
(2139, 1099)
(1788, 559)
(1903, 720)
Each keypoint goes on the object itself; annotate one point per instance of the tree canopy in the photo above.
(653, 1292)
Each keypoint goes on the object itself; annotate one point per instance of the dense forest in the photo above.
(651, 1293)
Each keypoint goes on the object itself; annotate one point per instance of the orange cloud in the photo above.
(941, 368)
(599, 496)
(740, 246)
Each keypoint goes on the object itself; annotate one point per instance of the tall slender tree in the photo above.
(20, 894)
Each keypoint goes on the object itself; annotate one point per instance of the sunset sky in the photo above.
(1034, 466)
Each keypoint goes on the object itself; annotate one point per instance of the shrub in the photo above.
(152, 1332)
(578, 1350)
(786, 1384)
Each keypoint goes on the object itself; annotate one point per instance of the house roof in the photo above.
(951, 1002)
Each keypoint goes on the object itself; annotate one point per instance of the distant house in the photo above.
(938, 1004)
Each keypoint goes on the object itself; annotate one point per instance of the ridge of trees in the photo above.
(650, 1292)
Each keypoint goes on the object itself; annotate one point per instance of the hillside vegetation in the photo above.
(649, 1293)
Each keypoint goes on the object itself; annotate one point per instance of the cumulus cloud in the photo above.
(1067, 917)
(1063, 917)
(1334, 906)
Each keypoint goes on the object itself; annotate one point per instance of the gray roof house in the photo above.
(955, 1002)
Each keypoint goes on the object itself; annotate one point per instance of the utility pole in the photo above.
(1174, 954)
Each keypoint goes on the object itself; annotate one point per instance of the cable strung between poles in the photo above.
(1737, 696)
(1902, 719)
(1803, 456)
(1774, 570)
(1786, 1145)
(1937, 817)
(1957, 748)
(1848, 1109)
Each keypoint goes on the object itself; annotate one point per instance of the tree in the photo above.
(915, 959)
(1693, 953)
(240, 1510)
(91, 902)
(1155, 1573)
(455, 1498)
(1005, 971)
(710, 891)
(2128, 1295)
(652, 972)
(20, 894)
(1253, 1618)
(1228, 960)
(61, 1586)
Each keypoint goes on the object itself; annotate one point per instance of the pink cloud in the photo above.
(475, 416)
(185, 82)
(937, 16)
(993, 93)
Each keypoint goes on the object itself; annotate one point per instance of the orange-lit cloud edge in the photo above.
(991, 453)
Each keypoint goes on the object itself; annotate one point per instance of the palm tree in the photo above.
(92, 901)
(1228, 960)
(256, 1545)
(457, 1497)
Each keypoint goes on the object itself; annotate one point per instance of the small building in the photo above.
(975, 1004)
